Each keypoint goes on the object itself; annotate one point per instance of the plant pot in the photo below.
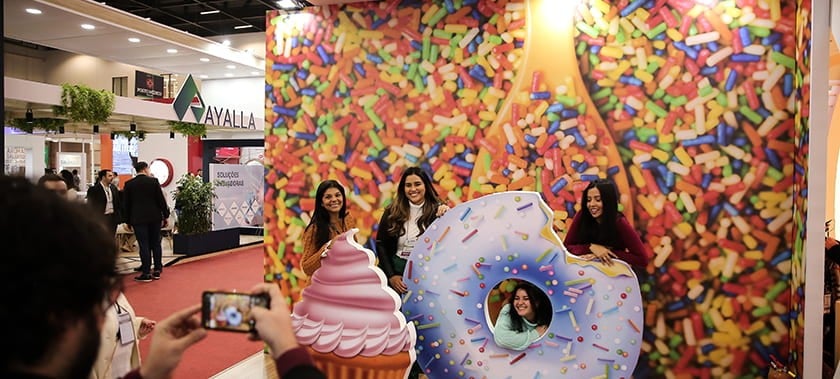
(203, 243)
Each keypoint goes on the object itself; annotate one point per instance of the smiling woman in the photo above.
(524, 318)
(329, 219)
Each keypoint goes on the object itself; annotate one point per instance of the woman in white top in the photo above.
(119, 347)
(415, 207)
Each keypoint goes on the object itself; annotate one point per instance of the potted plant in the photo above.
(194, 219)
(188, 129)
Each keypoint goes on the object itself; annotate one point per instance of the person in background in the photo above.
(600, 231)
(53, 182)
(524, 318)
(77, 180)
(104, 197)
(146, 212)
(72, 190)
(65, 281)
(199, 173)
(119, 346)
(415, 207)
(329, 219)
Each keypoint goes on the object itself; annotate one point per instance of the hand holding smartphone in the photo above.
(230, 311)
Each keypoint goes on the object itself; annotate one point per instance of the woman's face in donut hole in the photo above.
(522, 304)
(415, 190)
(594, 203)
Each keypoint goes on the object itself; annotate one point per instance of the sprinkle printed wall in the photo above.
(689, 106)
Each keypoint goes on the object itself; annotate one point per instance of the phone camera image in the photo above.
(230, 311)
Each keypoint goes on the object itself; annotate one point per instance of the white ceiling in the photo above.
(59, 27)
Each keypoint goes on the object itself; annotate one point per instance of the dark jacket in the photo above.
(97, 199)
(144, 201)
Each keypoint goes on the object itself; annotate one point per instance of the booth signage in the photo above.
(148, 85)
(189, 98)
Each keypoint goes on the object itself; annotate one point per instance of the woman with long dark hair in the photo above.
(600, 231)
(524, 318)
(329, 219)
(415, 207)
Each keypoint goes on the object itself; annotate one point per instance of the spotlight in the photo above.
(113, 135)
(96, 129)
(30, 118)
(133, 127)
(204, 136)
(60, 130)
(171, 135)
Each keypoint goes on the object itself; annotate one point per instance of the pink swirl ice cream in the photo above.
(348, 308)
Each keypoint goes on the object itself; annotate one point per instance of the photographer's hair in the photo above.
(49, 178)
(604, 232)
(539, 302)
(321, 216)
(400, 209)
(59, 272)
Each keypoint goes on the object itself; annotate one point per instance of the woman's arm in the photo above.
(633, 252)
(311, 258)
(506, 337)
(574, 241)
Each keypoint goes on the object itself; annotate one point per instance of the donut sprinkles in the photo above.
(597, 324)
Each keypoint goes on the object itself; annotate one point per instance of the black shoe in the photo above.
(143, 278)
(138, 269)
(156, 275)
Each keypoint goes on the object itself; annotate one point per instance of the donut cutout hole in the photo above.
(520, 294)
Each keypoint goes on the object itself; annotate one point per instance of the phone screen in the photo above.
(230, 311)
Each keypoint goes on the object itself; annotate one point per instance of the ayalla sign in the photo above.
(208, 114)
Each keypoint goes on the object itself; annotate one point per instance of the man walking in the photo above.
(146, 212)
(104, 198)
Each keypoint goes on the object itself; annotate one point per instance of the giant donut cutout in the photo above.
(596, 328)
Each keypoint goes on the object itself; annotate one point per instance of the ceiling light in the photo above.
(113, 135)
(134, 39)
(171, 51)
(210, 12)
(30, 117)
(226, 42)
(96, 129)
(132, 127)
(171, 135)
(288, 4)
(203, 76)
(229, 75)
(33, 11)
(88, 27)
(61, 130)
(204, 59)
(255, 73)
(230, 66)
(243, 26)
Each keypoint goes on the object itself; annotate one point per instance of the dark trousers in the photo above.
(148, 237)
(111, 222)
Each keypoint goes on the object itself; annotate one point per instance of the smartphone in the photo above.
(230, 311)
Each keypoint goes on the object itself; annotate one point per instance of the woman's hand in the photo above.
(397, 284)
(146, 327)
(442, 209)
(603, 253)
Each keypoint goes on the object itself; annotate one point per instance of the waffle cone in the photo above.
(359, 367)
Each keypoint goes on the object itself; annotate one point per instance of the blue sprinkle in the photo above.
(742, 57)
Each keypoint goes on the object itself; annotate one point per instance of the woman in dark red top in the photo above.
(600, 231)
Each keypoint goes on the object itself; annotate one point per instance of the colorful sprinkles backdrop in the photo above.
(690, 106)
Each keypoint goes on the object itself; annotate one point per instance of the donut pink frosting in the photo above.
(348, 308)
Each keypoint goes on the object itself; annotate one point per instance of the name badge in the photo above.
(126, 328)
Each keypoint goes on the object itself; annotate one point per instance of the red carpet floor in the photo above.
(181, 285)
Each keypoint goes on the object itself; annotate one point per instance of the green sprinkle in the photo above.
(376, 121)
(657, 30)
(437, 16)
(782, 59)
(589, 30)
(755, 118)
(656, 109)
(440, 33)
